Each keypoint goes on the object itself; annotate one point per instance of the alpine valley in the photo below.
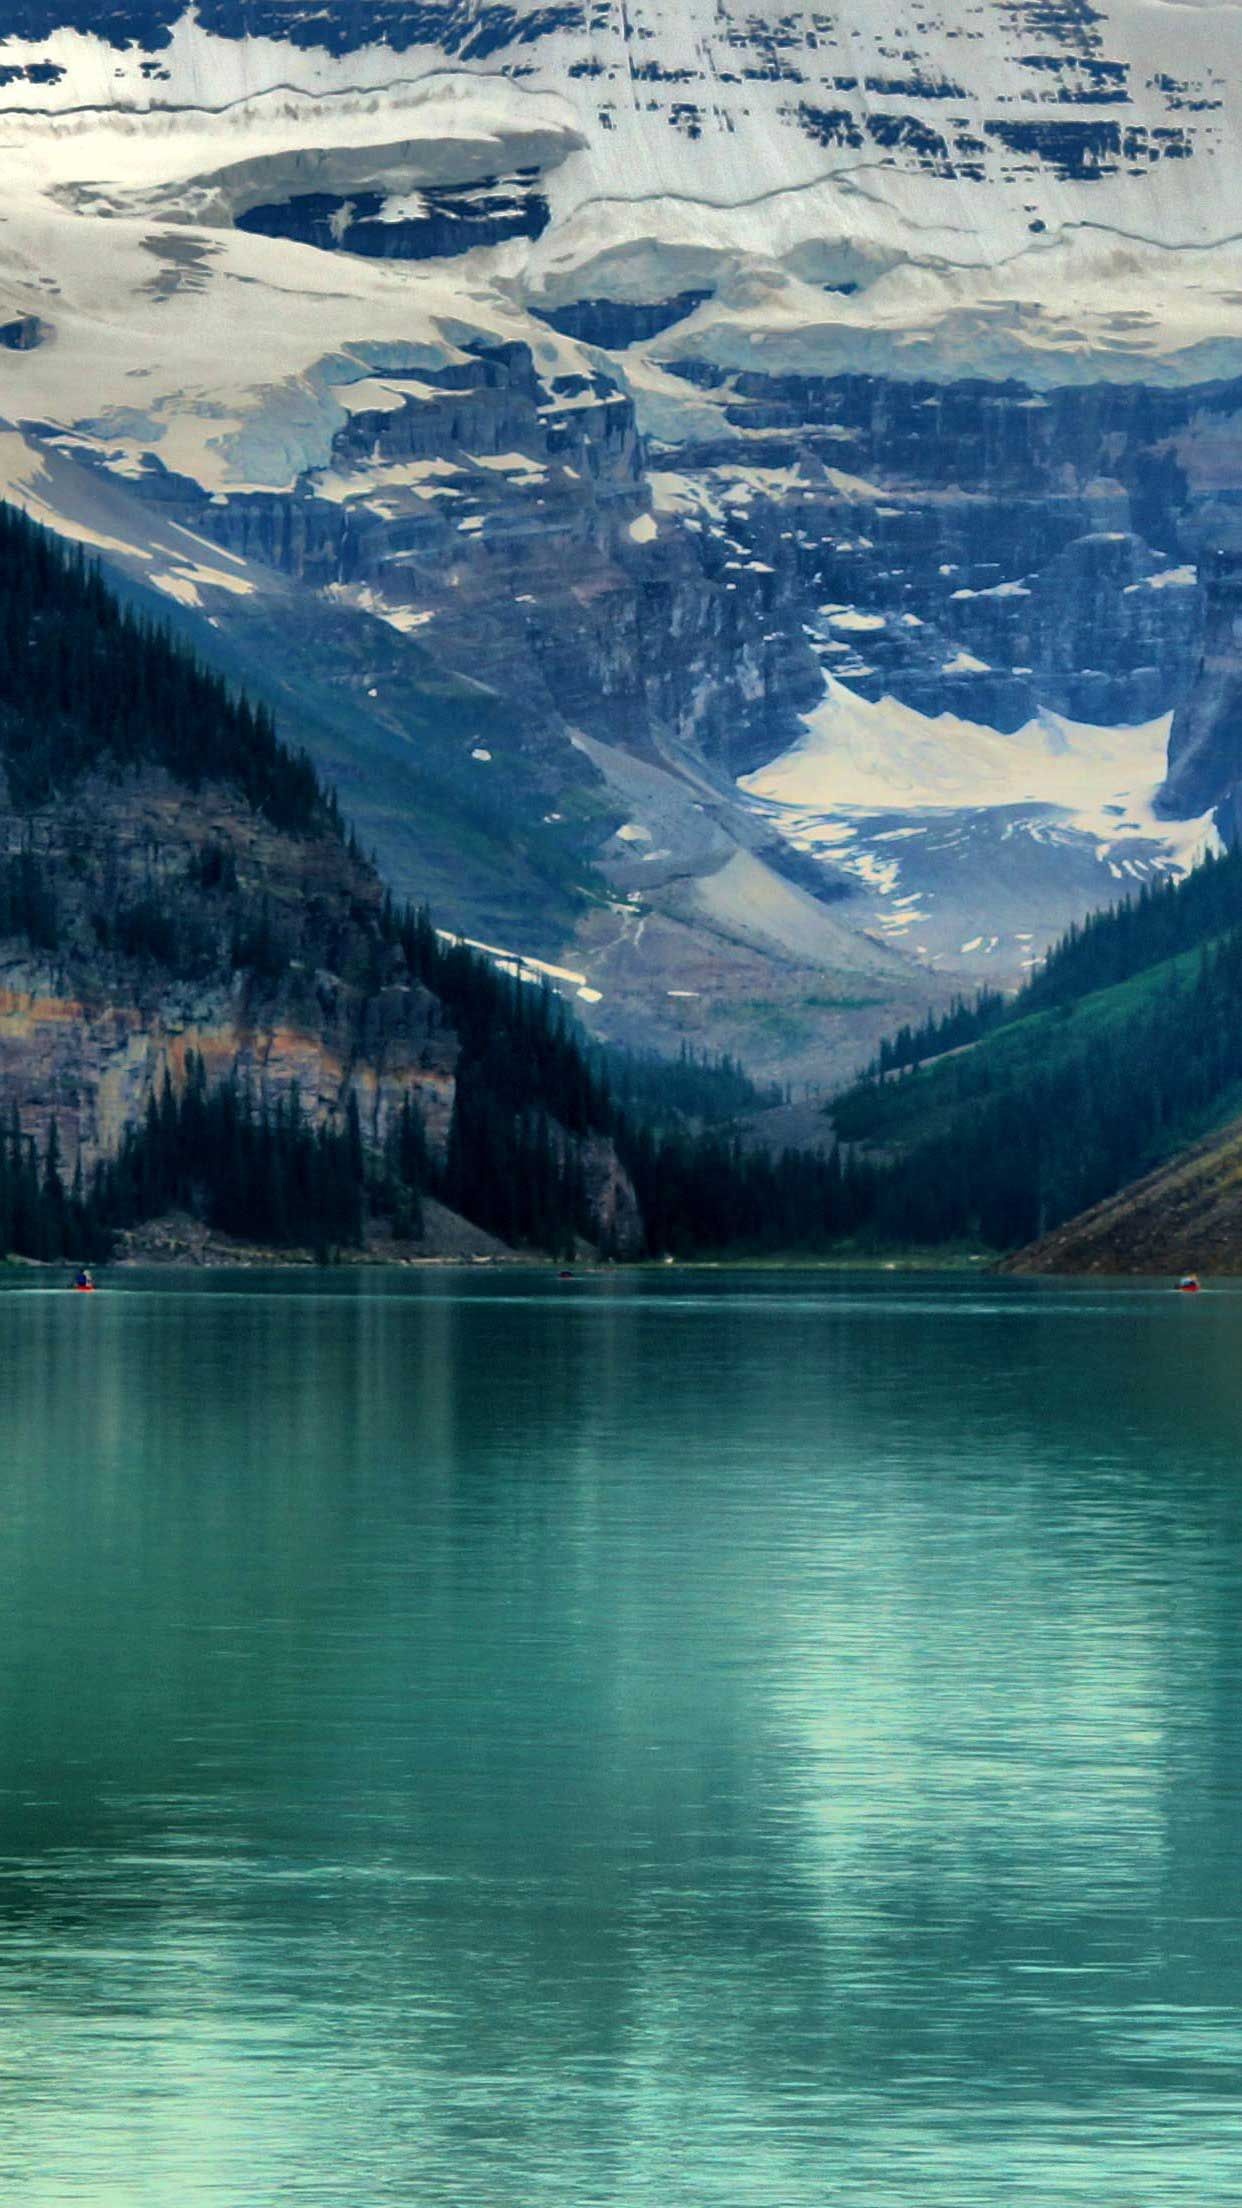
(738, 503)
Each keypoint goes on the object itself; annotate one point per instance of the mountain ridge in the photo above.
(918, 377)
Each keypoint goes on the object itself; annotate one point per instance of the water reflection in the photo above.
(756, 1742)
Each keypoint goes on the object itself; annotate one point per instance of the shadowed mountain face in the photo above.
(724, 496)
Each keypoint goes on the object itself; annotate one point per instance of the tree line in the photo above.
(1023, 1141)
(1110, 946)
(261, 1174)
(86, 684)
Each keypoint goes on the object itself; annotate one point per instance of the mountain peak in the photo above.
(558, 407)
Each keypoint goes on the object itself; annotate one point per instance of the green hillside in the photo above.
(1013, 1117)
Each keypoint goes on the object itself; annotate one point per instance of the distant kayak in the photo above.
(1188, 1285)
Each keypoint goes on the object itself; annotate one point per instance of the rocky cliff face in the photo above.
(567, 412)
(90, 1024)
(1205, 750)
(175, 926)
(504, 520)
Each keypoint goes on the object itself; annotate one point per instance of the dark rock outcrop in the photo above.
(24, 333)
(1205, 747)
(452, 219)
(620, 323)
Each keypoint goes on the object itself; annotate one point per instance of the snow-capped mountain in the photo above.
(723, 489)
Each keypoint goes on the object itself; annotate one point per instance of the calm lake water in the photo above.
(673, 1742)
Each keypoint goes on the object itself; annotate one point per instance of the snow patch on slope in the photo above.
(863, 754)
(884, 756)
(965, 843)
(1053, 195)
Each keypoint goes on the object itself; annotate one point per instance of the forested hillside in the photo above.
(1106, 948)
(1122, 1049)
(85, 684)
(300, 1060)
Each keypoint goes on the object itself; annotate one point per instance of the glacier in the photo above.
(734, 497)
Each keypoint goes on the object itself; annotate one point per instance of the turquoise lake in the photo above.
(671, 1741)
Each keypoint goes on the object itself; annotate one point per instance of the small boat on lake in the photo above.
(1188, 1285)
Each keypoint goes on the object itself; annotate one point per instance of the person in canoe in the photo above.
(83, 1282)
(1188, 1285)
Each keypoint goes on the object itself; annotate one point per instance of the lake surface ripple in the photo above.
(678, 1741)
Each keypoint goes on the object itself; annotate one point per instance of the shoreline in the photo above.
(302, 1262)
(251, 1258)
